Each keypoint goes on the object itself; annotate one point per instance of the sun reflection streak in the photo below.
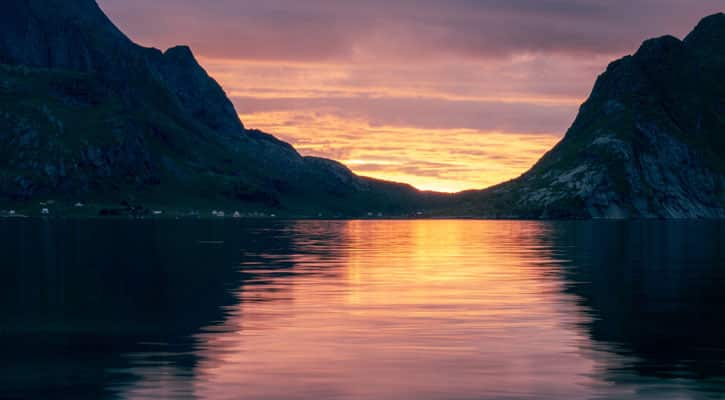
(383, 309)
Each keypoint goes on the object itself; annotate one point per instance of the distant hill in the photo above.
(86, 114)
(648, 143)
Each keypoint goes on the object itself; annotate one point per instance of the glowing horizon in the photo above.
(459, 171)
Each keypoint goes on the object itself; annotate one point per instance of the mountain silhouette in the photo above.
(648, 143)
(88, 114)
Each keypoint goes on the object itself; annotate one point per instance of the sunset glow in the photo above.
(446, 160)
(444, 137)
(444, 95)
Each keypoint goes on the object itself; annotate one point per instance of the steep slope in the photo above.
(648, 143)
(87, 114)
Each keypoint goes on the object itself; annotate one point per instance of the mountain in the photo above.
(648, 143)
(86, 114)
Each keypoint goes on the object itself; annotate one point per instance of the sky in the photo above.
(445, 95)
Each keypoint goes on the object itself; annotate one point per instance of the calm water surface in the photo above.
(362, 310)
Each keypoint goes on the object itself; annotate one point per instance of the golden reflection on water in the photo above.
(393, 310)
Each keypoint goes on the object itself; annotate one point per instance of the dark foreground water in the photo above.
(362, 310)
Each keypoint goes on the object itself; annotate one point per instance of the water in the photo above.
(362, 310)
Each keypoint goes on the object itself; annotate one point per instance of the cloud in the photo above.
(428, 113)
(334, 30)
(528, 94)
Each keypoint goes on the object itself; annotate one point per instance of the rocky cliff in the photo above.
(648, 143)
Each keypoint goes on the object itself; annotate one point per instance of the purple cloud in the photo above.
(340, 29)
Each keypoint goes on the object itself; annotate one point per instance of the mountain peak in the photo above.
(657, 44)
(708, 34)
(711, 22)
(74, 35)
(181, 52)
(77, 36)
(658, 50)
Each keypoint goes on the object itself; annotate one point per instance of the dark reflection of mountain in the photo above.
(656, 291)
(80, 302)
(290, 249)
